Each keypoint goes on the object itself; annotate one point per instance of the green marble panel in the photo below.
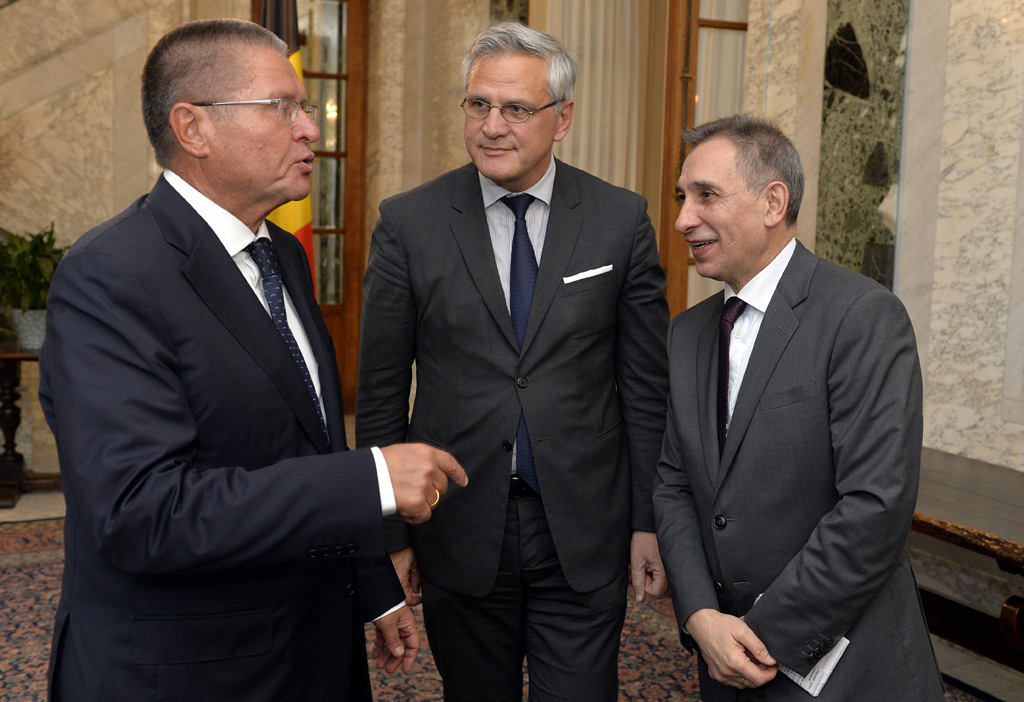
(502, 10)
(862, 117)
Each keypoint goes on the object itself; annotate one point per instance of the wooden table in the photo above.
(14, 480)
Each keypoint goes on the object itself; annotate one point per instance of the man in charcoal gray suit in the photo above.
(789, 472)
(550, 392)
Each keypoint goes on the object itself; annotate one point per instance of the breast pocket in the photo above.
(789, 396)
(592, 282)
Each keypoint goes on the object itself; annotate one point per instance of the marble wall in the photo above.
(785, 64)
(73, 149)
(959, 220)
(416, 50)
(956, 155)
(964, 262)
(860, 135)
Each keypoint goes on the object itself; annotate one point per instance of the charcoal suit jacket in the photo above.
(810, 505)
(216, 547)
(590, 378)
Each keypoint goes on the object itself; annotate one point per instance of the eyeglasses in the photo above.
(285, 107)
(512, 112)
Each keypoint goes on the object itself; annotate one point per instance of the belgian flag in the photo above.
(280, 17)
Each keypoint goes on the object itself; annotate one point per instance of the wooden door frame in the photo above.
(680, 93)
(342, 320)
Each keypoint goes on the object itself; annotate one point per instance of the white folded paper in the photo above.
(587, 274)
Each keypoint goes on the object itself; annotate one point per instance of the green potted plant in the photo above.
(27, 262)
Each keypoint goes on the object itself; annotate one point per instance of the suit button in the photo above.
(828, 643)
(350, 589)
(507, 445)
(813, 657)
(719, 521)
(349, 548)
(719, 586)
(313, 553)
(522, 382)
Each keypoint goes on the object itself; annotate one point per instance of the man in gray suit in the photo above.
(784, 507)
(550, 392)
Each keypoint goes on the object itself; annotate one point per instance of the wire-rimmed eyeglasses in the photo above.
(285, 107)
(512, 112)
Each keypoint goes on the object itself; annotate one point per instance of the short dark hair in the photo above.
(196, 62)
(763, 154)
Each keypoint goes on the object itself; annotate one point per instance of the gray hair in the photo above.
(763, 154)
(197, 62)
(514, 38)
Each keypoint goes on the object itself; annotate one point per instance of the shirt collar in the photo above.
(541, 190)
(759, 291)
(233, 234)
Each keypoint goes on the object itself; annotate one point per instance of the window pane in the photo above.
(325, 92)
(342, 22)
(724, 10)
(329, 249)
(319, 22)
(720, 66)
(326, 209)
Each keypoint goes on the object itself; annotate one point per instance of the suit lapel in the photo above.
(706, 359)
(564, 226)
(217, 281)
(469, 226)
(777, 329)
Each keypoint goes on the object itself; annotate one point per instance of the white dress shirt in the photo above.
(235, 236)
(757, 294)
(501, 223)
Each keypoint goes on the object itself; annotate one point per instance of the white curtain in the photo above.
(606, 132)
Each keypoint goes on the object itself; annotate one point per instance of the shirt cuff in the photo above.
(388, 505)
(390, 611)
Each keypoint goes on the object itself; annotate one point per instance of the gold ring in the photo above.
(437, 499)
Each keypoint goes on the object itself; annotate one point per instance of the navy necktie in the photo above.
(523, 276)
(733, 309)
(262, 252)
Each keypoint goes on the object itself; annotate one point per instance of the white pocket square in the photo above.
(587, 274)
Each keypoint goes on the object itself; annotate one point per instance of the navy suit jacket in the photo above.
(216, 548)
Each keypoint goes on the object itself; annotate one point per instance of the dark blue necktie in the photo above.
(523, 276)
(262, 252)
(733, 309)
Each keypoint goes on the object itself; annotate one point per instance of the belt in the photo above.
(517, 487)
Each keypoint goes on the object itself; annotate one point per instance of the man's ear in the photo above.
(776, 203)
(189, 127)
(564, 120)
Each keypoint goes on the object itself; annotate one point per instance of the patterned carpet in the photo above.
(652, 665)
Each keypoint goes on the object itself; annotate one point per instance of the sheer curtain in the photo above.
(606, 135)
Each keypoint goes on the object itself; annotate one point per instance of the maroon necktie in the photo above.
(733, 309)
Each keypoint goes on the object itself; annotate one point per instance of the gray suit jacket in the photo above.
(591, 377)
(812, 499)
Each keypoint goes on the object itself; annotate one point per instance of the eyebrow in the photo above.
(702, 184)
(525, 103)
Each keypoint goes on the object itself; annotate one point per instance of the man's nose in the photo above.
(305, 129)
(687, 219)
(494, 123)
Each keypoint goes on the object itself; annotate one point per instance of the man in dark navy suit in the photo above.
(221, 543)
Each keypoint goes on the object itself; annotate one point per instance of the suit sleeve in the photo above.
(387, 344)
(128, 439)
(875, 398)
(642, 364)
(678, 523)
